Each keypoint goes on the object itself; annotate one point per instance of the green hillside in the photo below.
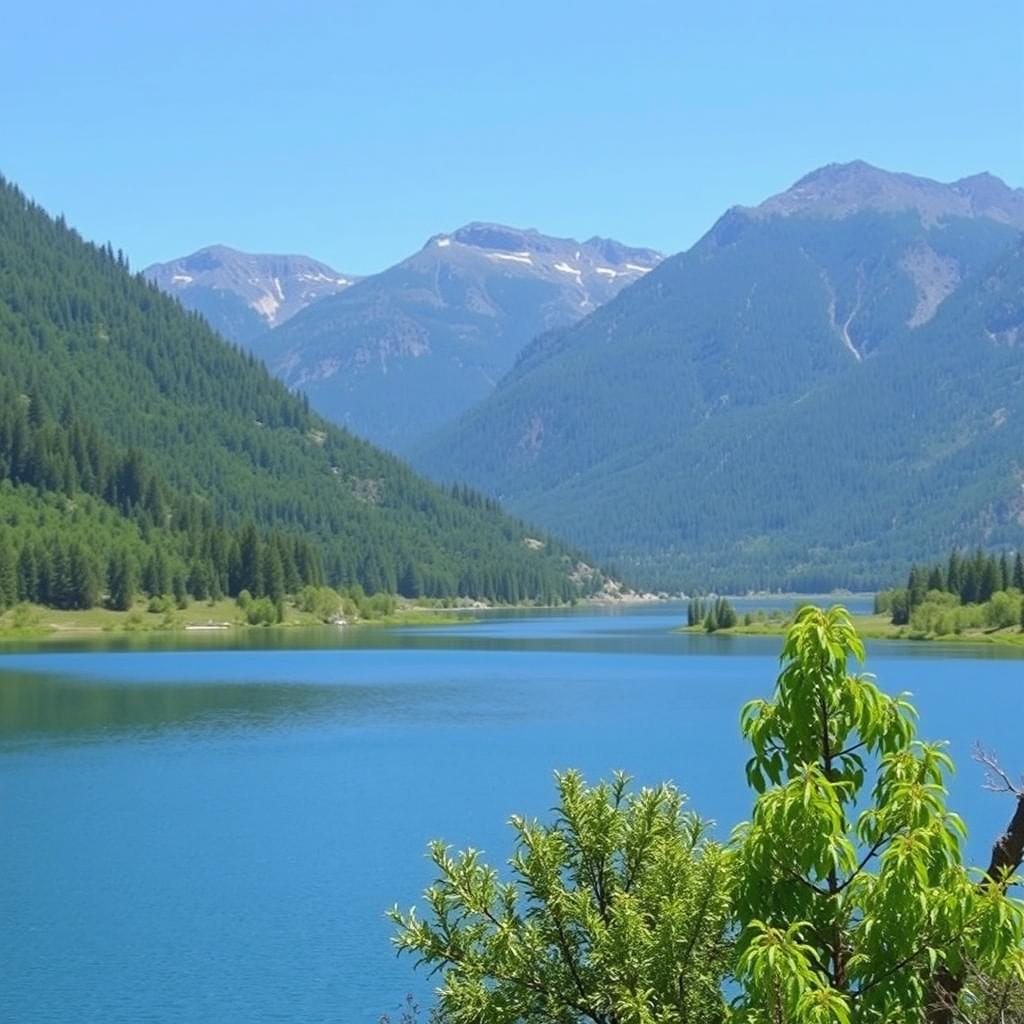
(807, 398)
(98, 369)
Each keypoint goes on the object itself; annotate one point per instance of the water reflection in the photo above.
(116, 686)
(36, 707)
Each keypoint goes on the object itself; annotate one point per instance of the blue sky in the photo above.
(353, 131)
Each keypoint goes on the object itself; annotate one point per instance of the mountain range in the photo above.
(243, 294)
(822, 388)
(402, 352)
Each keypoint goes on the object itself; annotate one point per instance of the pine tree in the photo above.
(82, 588)
(917, 586)
(198, 582)
(179, 589)
(8, 574)
(1018, 571)
(725, 614)
(989, 583)
(969, 582)
(711, 619)
(156, 579)
(272, 574)
(57, 589)
(28, 574)
(954, 573)
(249, 575)
(122, 580)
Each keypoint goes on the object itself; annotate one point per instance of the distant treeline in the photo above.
(966, 591)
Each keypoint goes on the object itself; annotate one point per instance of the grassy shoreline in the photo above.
(876, 627)
(41, 623)
(35, 622)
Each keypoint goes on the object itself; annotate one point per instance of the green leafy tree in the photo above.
(852, 901)
(615, 914)
(262, 612)
(900, 607)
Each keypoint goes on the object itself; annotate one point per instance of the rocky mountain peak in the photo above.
(243, 288)
(598, 259)
(838, 190)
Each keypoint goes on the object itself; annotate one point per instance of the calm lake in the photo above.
(208, 829)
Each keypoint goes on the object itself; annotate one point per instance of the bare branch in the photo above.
(996, 779)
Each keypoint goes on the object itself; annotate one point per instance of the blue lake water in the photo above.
(212, 832)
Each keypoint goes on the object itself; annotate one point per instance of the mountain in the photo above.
(113, 393)
(802, 399)
(403, 351)
(242, 294)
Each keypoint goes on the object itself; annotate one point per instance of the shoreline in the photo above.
(225, 619)
(221, 619)
(877, 627)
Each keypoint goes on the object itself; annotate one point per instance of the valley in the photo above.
(511, 514)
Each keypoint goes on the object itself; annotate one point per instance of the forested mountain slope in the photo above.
(811, 396)
(84, 342)
(81, 520)
(406, 350)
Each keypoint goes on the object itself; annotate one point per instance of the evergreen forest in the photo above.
(141, 453)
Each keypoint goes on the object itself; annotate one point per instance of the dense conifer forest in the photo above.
(139, 452)
(979, 590)
(709, 427)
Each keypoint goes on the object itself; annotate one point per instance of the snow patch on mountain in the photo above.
(517, 257)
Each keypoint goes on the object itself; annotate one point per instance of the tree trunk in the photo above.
(1007, 854)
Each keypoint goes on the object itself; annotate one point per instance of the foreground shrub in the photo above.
(615, 912)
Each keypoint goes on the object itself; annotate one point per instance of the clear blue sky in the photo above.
(353, 131)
